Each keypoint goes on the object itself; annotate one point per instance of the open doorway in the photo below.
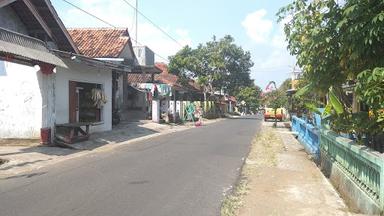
(85, 102)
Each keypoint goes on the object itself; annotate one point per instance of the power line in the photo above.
(77, 7)
(153, 52)
(153, 23)
(113, 26)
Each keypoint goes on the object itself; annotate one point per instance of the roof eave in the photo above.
(62, 26)
(93, 62)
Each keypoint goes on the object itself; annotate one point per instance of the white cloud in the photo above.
(119, 14)
(257, 27)
(271, 57)
(275, 65)
(160, 43)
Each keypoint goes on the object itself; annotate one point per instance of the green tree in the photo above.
(251, 96)
(217, 64)
(276, 99)
(370, 90)
(286, 85)
(335, 43)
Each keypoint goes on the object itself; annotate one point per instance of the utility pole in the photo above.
(136, 13)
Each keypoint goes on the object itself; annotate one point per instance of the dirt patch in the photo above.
(19, 142)
(265, 146)
(278, 179)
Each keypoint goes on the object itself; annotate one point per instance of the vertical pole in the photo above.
(174, 107)
(137, 4)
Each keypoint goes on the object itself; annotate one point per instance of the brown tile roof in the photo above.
(162, 66)
(169, 79)
(232, 98)
(173, 80)
(100, 42)
(139, 78)
(164, 77)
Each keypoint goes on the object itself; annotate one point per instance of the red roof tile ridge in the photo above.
(98, 28)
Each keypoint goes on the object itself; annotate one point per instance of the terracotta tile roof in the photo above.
(164, 77)
(173, 80)
(169, 79)
(162, 66)
(100, 42)
(139, 78)
(232, 98)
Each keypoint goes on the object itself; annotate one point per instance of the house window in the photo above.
(86, 102)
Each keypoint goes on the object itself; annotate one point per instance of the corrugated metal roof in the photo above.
(27, 47)
(93, 62)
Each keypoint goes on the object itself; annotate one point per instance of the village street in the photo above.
(183, 173)
(143, 108)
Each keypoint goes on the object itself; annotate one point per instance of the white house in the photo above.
(115, 45)
(44, 79)
(27, 66)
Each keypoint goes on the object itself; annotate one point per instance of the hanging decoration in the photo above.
(99, 98)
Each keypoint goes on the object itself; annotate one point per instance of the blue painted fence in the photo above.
(308, 135)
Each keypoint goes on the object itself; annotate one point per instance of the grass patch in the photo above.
(234, 200)
(265, 147)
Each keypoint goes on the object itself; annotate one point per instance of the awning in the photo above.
(22, 47)
(92, 62)
(141, 69)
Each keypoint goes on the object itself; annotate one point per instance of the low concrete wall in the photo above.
(308, 135)
(356, 171)
(356, 199)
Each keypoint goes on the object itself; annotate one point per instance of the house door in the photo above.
(73, 102)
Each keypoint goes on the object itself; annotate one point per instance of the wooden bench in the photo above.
(70, 133)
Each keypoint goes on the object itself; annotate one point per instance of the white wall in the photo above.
(21, 100)
(82, 73)
(126, 53)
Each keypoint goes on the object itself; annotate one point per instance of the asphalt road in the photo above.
(183, 173)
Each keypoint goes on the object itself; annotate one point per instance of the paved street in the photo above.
(184, 173)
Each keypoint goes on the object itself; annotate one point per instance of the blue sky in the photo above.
(252, 23)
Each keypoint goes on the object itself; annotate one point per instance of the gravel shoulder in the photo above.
(279, 178)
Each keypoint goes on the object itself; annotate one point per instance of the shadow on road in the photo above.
(34, 154)
(30, 175)
(125, 131)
